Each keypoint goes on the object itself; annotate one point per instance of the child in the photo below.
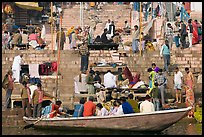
(155, 94)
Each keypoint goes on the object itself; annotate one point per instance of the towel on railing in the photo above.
(34, 70)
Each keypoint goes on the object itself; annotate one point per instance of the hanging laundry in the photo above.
(33, 70)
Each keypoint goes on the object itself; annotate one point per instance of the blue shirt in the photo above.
(164, 50)
(78, 110)
(127, 108)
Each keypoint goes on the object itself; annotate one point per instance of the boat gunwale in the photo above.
(110, 116)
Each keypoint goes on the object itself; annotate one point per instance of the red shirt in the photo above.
(89, 109)
(56, 109)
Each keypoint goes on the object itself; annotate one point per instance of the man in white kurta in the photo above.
(109, 80)
(16, 67)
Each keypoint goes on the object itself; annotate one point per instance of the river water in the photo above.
(185, 126)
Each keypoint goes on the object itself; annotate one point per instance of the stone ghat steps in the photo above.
(114, 12)
(12, 118)
(70, 65)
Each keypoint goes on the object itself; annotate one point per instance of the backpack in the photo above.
(5, 82)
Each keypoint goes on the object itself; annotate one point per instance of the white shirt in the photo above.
(17, 63)
(177, 77)
(109, 80)
(102, 112)
(107, 25)
(32, 88)
(43, 32)
(80, 86)
(146, 107)
(119, 111)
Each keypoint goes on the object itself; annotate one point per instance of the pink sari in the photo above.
(195, 33)
(190, 100)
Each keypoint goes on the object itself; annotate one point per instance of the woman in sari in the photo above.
(199, 27)
(190, 100)
(195, 33)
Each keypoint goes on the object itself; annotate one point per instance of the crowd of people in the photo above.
(111, 106)
(32, 37)
(88, 82)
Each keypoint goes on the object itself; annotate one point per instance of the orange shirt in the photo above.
(56, 109)
(89, 109)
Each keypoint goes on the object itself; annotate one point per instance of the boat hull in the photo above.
(155, 121)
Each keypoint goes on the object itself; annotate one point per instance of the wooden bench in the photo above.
(110, 46)
(23, 46)
(104, 69)
(15, 98)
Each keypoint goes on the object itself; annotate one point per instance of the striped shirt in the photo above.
(83, 50)
(169, 32)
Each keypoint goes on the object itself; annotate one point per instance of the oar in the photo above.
(31, 125)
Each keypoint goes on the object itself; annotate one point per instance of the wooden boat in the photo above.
(154, 121)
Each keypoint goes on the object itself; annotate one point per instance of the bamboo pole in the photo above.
(51, 27)
(82, 15)
(171, 11)
(140, 28)
(131, 19)
(58, 58)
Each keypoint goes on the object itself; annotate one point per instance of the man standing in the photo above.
(84, 52)
(9, 89)
(165, 53)
(155, 94)
(37, 100)
(161, 80)
(135, 42)
(61, 37)
(16, 67)
(26, 99)
(111, 30)
(169, 34)
(190, 32)
(183, 34)
(177, 84)
(109, 80)
(107, 24)
(90, 82)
